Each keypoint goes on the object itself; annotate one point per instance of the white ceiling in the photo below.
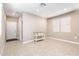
(51, 10)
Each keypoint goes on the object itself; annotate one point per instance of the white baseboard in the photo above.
(27, 41)
(67, 41)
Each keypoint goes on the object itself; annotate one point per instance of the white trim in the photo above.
(28, 41)
(63, 40)
(2, 50)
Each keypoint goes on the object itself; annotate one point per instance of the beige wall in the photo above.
(32, 23)
(69, 35)
(2, 36)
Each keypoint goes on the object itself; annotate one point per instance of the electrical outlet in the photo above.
(75, 37)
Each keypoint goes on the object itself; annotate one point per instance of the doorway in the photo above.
(11, 28)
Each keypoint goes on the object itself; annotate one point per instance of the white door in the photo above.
(11, 30)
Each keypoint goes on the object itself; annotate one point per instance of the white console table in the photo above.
(38, 36)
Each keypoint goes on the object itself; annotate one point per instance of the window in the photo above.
(62, 24)
(56, 25)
